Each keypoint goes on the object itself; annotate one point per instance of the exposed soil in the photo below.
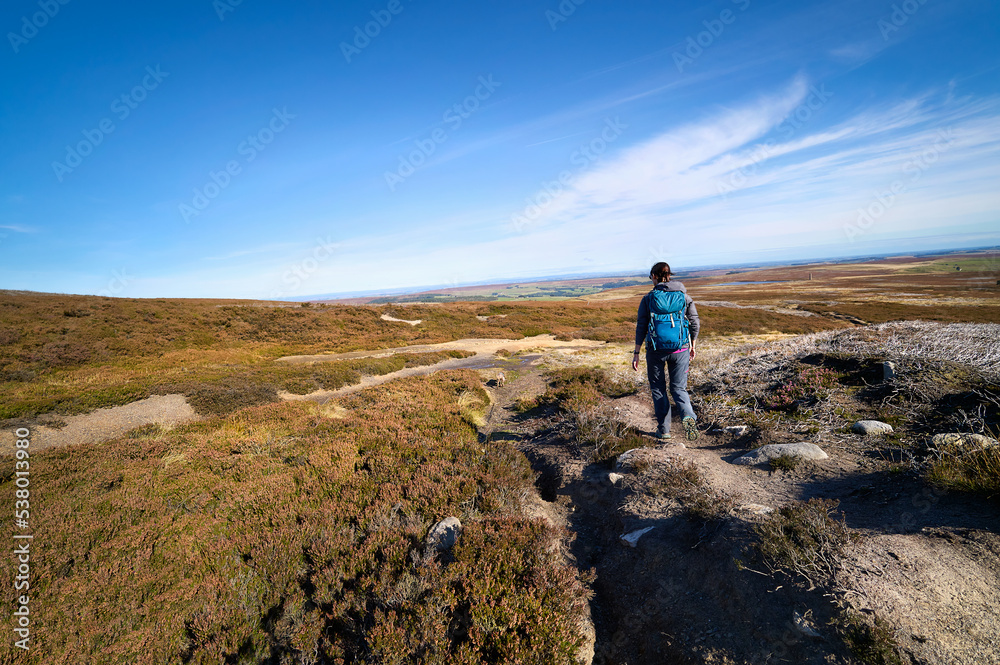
(104, 424)
(928, 563)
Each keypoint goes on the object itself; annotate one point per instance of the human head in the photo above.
(660, 272)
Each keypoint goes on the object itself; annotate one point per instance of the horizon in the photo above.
(231, 150)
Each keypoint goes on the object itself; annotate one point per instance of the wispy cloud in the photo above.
(17, 228)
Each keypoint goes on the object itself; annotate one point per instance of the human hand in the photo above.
(694, 352)
(635, 362)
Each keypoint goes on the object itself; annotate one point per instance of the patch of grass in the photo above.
(873, 643)
(975, 471)
(802, 540)
(785, 463)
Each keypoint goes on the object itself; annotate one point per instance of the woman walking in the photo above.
(668, 323)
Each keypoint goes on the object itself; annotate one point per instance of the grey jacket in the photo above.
(691, 312)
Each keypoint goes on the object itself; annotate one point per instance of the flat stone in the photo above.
(871, 427)
(632, 538)
(888, 371)
(638, 458)
(737, 430)
(444, 534)
(959, 441)
(806, 451)
(803, 626)
(754, 509)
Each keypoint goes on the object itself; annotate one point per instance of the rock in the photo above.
(615, 478)
(803, 626)
(736, 430)
(958, 441)
(888, 371)
(754, 509)
(638, 459)
(632, 538)
(871, 427)
(444, 534)
(806, 451)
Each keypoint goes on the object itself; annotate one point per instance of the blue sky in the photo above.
(264, 149)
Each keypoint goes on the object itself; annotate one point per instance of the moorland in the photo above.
(284, 515)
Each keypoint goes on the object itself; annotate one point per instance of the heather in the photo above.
(287, 533)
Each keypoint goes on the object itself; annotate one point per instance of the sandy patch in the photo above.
(104, 424)
(386, 317)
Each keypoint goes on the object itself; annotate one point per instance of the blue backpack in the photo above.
(668, 327)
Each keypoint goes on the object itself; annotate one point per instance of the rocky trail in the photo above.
(927, 562)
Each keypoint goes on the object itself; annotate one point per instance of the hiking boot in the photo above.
(691, 428)
(662, 434)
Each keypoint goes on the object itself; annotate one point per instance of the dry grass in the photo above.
(282, 534)
(803, 541)
(976, 471)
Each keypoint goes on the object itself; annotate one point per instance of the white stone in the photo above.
(888, 371)
(871, 427)
(755, 509)
(444, 534)
(737, 430)
(956, 440)
(807, 451)
(803, 626)
(615, 478)
(632, 538)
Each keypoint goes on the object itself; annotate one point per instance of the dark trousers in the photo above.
(660, 365)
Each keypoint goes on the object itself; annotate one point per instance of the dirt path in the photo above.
(104, 424)
(168, 410)
(479, 346)
(928, 562)
(484, 358)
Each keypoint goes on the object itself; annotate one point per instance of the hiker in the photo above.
(668, 323)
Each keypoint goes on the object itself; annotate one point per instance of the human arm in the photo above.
(641, 328)
(694, 325)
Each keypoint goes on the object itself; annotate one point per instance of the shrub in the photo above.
(808, 386)
(803, 541)
(785, 462)
(278, 534)
(976, 471)
(871, 643)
